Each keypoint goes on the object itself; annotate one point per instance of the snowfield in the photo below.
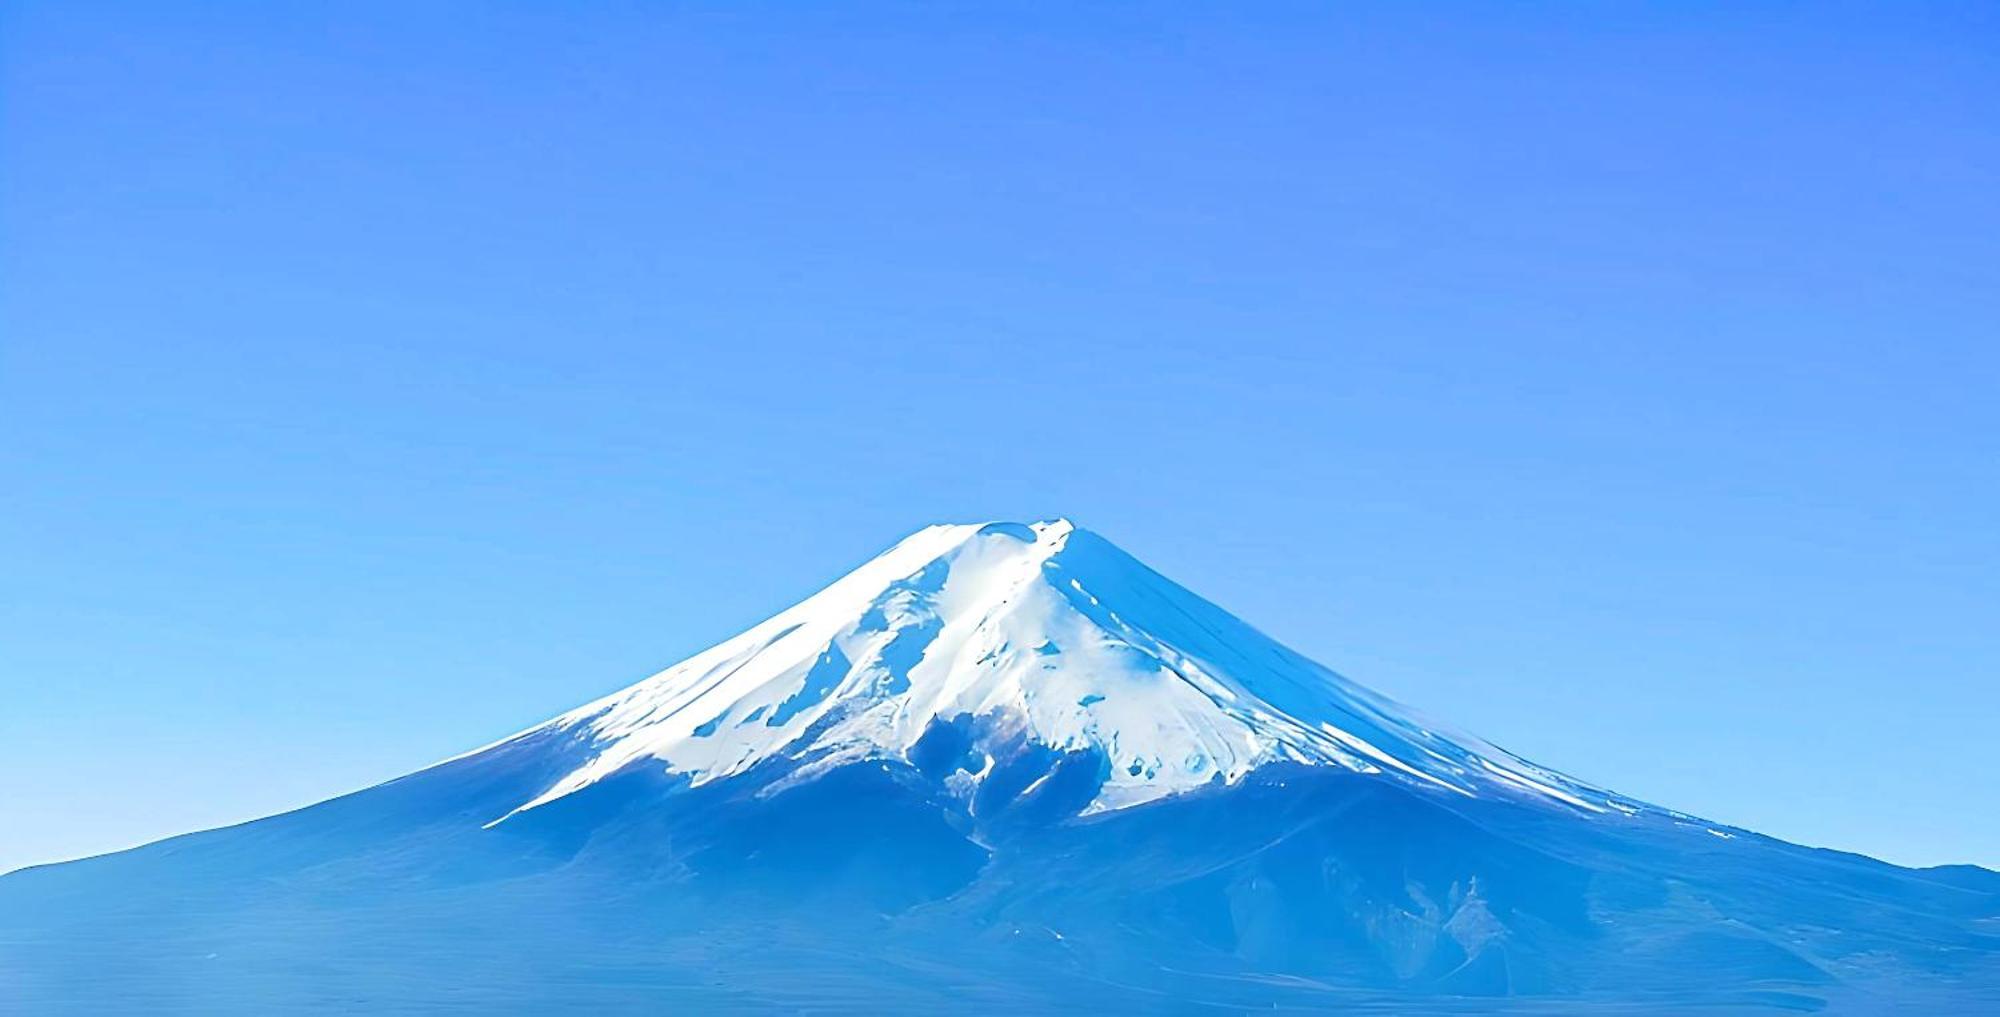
(1001, 626)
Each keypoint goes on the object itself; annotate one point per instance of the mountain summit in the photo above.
(1000, 768)
(1019, 637)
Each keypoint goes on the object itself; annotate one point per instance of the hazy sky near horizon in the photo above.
(1615, 381)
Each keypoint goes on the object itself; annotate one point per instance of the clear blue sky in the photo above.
(1616, 381)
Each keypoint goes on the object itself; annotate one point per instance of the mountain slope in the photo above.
(1000, 768)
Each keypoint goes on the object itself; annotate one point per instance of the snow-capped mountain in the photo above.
(1029, 635)
(1000, 768)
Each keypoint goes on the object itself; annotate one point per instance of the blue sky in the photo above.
(1616, 381)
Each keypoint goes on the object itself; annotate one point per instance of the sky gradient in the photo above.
(1617, 382)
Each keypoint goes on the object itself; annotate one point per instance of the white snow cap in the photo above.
(1042, 633)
